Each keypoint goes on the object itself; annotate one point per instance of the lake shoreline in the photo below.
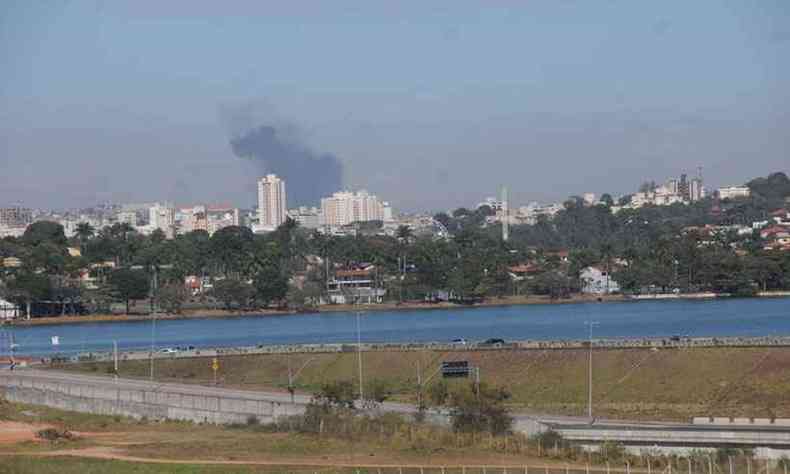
(208, 313)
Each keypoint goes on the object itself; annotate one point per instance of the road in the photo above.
(580, 429)
(109, 382)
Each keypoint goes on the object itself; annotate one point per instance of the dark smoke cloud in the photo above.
(277, 148)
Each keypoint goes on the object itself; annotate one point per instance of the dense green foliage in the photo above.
(682, 247)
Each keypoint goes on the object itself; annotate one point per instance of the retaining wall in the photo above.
(152, 404)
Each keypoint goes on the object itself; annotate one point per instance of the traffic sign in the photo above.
(455, 368)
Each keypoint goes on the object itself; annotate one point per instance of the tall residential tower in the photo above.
(271, 202)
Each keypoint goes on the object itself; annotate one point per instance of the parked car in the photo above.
(168, 350)
(460, 341)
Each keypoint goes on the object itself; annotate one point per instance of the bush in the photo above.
(378, 391)
(549, 439)
(438, 393)
(340, 394)
(53, 435)
(481, 408)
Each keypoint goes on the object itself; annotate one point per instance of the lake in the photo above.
(719, 317)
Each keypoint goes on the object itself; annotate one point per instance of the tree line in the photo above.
(652, 248)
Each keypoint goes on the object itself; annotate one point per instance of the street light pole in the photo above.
(359, 356)
(153, 339)
(589, 371)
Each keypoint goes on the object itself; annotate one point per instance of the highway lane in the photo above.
(109, 382)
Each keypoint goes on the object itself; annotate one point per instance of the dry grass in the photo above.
(628, 383)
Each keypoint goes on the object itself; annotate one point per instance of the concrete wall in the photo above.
(156, 405)
(599, 344)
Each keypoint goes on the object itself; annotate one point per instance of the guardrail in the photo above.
(675, 342)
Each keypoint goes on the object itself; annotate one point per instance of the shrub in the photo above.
(340, 394)
(438, 393)
(481, 408)
(53, 435)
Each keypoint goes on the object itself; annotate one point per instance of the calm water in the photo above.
(727, 317)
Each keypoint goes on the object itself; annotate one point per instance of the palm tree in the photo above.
(84, 232)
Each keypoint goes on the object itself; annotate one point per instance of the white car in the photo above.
(168, 350)
(460, 341)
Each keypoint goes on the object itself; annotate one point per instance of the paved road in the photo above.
(282, 397)
(301, 399)
(186, 389)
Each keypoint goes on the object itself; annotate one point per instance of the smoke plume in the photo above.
(277, 148)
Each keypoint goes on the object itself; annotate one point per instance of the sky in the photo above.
(428, 107)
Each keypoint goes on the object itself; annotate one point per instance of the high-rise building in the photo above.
(683, 188)
(162, 217)
(345, 207)
(271, 202)
(15, 216)
(696, 190)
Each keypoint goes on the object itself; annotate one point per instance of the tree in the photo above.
(230, 250)
(231, 292)
(480, 408)
(172, 297)
(129, 285)
(26, 287)
(607, 200)
(84, 232)
(404, 234)
(775, 187)
(270, 285)
(44, 231)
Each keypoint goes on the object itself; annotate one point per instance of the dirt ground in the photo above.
(12, 432)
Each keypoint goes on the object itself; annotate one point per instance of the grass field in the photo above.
(628, 383)
(118, 444)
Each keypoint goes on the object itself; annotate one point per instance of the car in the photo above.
(460, 341)
(494, 341)
(168, 350)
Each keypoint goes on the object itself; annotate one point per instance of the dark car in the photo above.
(494, 341)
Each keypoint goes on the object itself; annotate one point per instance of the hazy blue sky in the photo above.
(429, 107)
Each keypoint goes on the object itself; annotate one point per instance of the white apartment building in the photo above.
(162, 217)
(345, 207)
(734, 192)
(127, 217)
(271, 202)
(307, 217)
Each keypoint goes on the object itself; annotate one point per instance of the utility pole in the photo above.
(290, 379)
(419, 382)
(359, 357)
(477, 383)
(153, 340)
(115, 357)
(589, 372)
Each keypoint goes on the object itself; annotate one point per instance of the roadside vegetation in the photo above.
(671, 384)
(331, 437)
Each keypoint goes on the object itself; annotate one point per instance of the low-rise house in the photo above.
(11, 262)
(562, 255)
(357, 284)
(775, 232)
(8, 310)
(523, 271)
(597, 281)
